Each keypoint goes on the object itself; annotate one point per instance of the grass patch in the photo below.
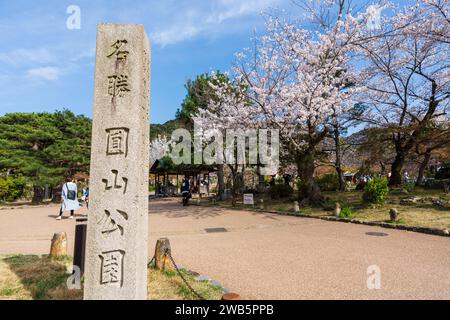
(26, 277)
(32, 277)
(168, 285)
(399, 221)
(416, 215)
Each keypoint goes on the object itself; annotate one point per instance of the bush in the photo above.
(409, 186)
(280, 191)
(328, 182)
(346, 213)
(376, 190)
(443, 173)
(11, 189)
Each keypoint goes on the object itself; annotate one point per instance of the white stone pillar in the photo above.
(117, 235)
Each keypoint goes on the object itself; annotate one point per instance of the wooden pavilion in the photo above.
(165, 173)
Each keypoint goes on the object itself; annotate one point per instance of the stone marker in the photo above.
(117, 235)
(261, 204)
(58, 246)
(337, 209)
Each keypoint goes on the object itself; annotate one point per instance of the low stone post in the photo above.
(58, 246)
(337, 209)
(393, 214)
(261, 204)
(296, 207)
(162, 251)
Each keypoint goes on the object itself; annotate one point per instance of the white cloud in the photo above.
(218, 17)
(47, 73)
(26, 56)
(86, 54)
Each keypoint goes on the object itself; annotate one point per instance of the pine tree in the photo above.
(44, 147)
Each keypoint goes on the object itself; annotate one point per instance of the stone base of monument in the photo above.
(58, 246)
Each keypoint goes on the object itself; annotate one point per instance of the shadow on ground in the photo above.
(42, 277)
(174, 209)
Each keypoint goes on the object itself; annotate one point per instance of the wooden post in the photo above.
(162, 251)
(393, 214)
(58, 246)
(231, 296)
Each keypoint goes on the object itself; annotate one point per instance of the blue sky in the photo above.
(44, 66)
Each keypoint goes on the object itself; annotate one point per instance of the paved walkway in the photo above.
(270, 256)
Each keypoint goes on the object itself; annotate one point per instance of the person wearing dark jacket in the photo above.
(185, 191)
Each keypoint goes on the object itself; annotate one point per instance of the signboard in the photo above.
(248, 198)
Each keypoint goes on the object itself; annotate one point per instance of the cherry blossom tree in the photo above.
(407, 78)
(159, 148)
(297, 80)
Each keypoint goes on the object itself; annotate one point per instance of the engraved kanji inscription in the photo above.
(113, 221)
(112, 267)
(117, 50)
(118, 85)
(117, 143)
(116, 184)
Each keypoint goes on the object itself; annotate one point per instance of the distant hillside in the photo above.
(165, 129)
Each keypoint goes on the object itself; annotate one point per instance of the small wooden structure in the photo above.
(167, 177)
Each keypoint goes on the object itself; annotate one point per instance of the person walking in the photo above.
(86, 197)
(185, 191)
(69, 198)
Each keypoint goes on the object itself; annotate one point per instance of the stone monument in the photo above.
(117, 232)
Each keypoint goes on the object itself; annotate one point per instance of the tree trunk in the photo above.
(423, 166)
(221, 183)
(56, 194)
(38, 195)
(309, 192)
(261, 182)
(383, 168)
(396, 169)
(338, 162)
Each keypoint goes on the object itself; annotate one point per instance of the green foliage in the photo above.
(199, 94)
(444, 172)
(346, 213)
(298, 184)
(11, 188)
(278, 191)
(376, 190)
(44, 147)
(409, 186)
(328, 182)
(267, 180)
(279, 180)
(165, 129)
